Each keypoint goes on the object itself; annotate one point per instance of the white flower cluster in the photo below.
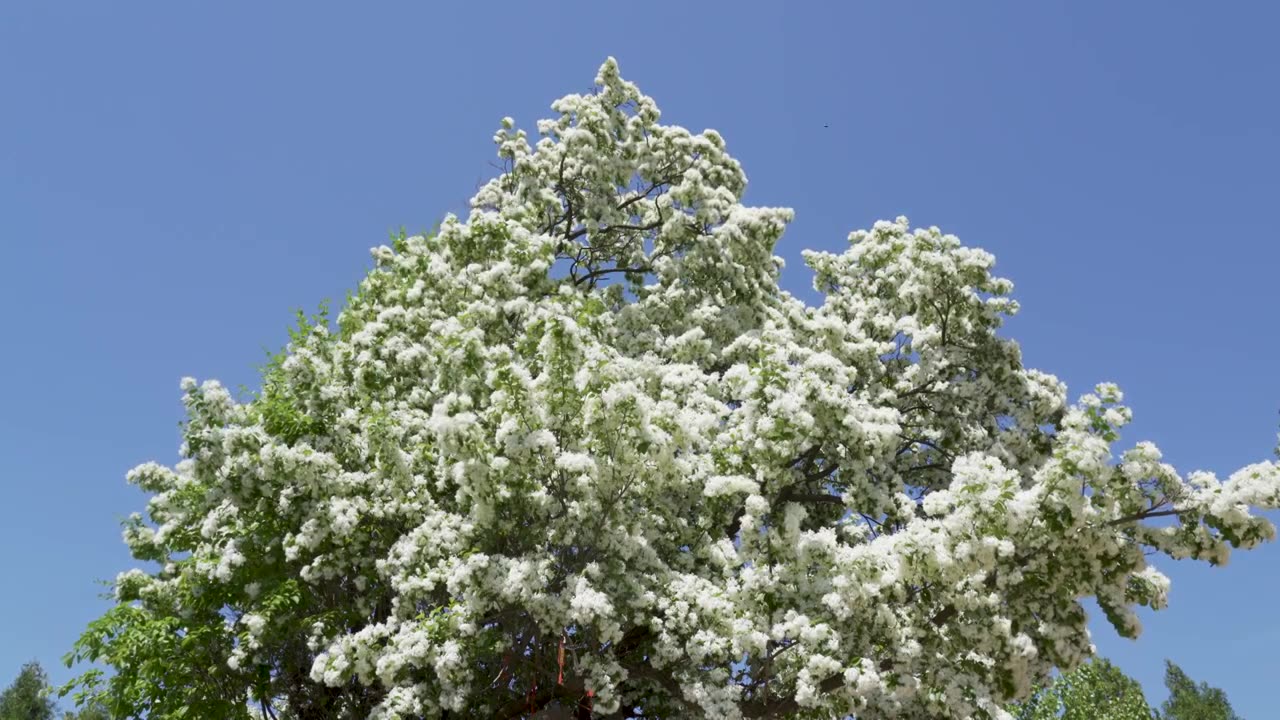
(582, 440)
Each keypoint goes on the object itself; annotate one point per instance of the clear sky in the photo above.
(177, 178)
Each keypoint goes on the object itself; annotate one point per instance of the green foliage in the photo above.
(94, 711)
(27, 698)
(1100, 691)
(1096, 690)
(283, 413)
(30, 698)
(1189, 700)
(162, 668)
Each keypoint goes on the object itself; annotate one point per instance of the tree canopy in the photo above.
(27, 698)
(579, 452)
(30, 697)
(1189, 700)
(1097, 690)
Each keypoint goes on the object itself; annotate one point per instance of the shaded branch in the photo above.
(1142, 516)
(800, 497)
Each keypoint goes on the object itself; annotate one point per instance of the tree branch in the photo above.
(800, 497)
(1142, 516)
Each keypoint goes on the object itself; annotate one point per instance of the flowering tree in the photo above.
(581, 454)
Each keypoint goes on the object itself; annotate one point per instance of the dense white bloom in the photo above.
(585, 423)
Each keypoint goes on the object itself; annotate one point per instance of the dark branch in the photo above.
(800, 497)
(1142, 516)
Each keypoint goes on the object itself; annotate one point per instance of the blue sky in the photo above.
(177, 178)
